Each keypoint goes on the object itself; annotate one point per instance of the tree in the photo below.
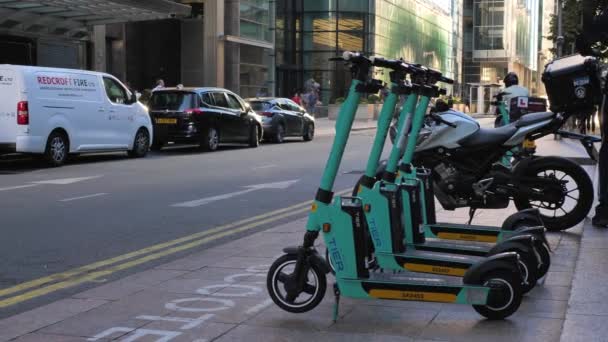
(572, 20)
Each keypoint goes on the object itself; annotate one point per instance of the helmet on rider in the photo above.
(511, 79)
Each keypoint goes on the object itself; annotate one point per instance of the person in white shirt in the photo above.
(160, 84)
(513, 89)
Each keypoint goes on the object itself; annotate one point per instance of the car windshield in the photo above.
(176, 100)
(260, 106)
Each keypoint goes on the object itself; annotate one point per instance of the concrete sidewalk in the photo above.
(325, 127)
(220, 295)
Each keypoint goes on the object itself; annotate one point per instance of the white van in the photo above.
(56, 112)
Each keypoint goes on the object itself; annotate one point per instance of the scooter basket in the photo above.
(573, 84)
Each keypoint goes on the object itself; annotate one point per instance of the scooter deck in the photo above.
(412, 287)
(453, 231)
(467, 248)
(440, 263)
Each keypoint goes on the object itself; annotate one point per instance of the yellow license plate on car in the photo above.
(166, 121)
(529, 144)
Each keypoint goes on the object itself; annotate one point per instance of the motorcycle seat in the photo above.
(489, 136)
(532, 118)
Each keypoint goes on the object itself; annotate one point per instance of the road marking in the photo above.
(264, 167)
(151, 257)
(66, 181)
(18, 187)
(83, 197)
(66, 282)
(250, 188)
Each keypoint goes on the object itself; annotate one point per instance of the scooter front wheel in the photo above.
(285, 290)
(505, 295)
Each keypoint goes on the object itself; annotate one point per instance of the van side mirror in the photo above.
(133, 98)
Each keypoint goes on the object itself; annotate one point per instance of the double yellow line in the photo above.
(88, 273)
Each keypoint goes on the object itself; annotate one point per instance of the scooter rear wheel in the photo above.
(507, 299)
(281, 278)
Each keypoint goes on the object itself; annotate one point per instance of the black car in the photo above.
(282, 118)
(205, 116)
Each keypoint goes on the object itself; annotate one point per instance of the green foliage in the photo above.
(363, 100)
(572, 23)
(339, 100)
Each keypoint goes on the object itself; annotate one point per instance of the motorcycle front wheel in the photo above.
(566, 205)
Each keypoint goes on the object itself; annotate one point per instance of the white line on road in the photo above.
(249, 188)
(66, 181)
(264, 167)
(83, 197)
(18, 187)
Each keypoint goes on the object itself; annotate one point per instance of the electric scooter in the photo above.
(297, 280)
(391, 224)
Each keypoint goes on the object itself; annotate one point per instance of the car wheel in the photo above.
(254, 136)
(309, 132)
(211, 139)
(57, 149)
(279, 134)
(141, 144)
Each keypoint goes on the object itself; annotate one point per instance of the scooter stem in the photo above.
(344, 124)
(417, 123)
(384, 122)
(405, 121)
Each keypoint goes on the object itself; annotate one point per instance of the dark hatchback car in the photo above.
(204, 116)
(282, 118)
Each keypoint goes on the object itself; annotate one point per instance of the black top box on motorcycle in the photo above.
(573, 83)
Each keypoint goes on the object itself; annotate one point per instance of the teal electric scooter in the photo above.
(394, 244)
(297, 280)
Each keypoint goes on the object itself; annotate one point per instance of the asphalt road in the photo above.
(102, 206)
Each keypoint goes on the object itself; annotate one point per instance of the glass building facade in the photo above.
(255, 61)
(499, 36)
(309, 32)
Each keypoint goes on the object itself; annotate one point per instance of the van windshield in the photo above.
(172, 100)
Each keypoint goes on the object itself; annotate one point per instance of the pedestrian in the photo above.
(595, 30)
(160, 84)
(311, 101)
(296, 98)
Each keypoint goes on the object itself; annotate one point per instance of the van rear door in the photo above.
(9, 95)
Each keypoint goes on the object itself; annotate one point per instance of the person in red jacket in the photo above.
(296, 98)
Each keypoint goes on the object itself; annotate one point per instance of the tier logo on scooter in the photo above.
(373, 231)
(335, 257)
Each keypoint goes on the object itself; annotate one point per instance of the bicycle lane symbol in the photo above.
(207, 305)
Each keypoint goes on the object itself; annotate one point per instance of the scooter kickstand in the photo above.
(337, 303)
(471, 215)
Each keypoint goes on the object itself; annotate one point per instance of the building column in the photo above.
(99, 48)
(213, 45)
(233, 50)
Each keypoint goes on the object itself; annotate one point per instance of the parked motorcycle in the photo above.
(465, 159)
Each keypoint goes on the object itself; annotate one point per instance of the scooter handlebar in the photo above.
(352, 57)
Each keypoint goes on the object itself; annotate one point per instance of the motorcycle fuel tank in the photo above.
(442, 135)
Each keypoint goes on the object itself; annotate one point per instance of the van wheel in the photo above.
(57, 148)
(141, 144)
(210, 140)
(254, 136)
